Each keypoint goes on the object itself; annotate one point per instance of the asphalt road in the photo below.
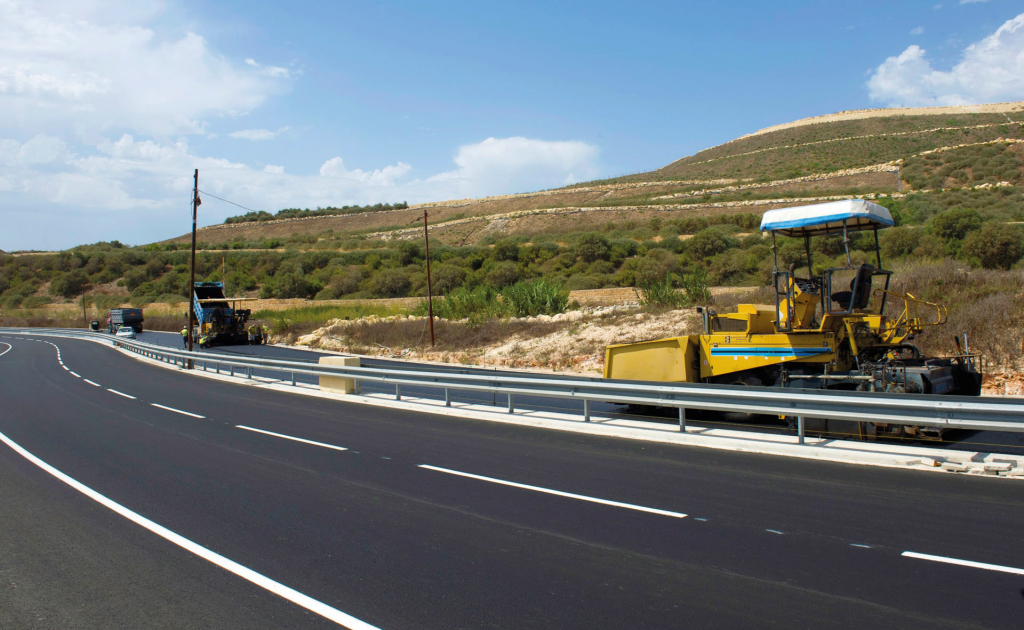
(393, 533)
(953, 440)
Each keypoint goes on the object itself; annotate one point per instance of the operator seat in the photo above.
(847, 300)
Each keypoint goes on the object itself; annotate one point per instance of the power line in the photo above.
(228, 201)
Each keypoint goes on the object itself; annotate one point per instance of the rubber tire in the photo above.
(742, 416)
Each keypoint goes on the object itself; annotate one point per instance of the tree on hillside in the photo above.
(69, 284)
(955, 224)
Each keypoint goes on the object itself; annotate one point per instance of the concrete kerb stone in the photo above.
(837, 451)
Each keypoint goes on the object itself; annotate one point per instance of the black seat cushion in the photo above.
(862, 282)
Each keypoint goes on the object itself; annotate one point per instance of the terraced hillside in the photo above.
(860, 153)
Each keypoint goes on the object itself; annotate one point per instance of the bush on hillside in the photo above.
(591, 247)
(709, 242)
(994, 246)
(955, 224)
(69, 284)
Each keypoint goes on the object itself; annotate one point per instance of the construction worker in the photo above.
(252, 334)
(184, 336)
(203, 341)
(266, 333)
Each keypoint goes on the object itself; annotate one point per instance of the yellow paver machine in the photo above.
(842, 329)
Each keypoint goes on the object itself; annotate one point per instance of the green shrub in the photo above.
(390, 283)
(592, 246)
(35, 301)
(955, 224)
(503, 274)
(507, 249)
(995, 246)
(666, 293)
(537, 297)
(900, 241)
(709, 242)
(69, 284)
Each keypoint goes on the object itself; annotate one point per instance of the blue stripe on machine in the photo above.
(768, 352)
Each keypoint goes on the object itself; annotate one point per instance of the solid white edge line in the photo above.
(114, 391)
(570, 495)
(289, 437)
(65, 367)
(963, 563)
(194, 415)
(91, 383)
(9, 346)
(75, 375)
(245, 573)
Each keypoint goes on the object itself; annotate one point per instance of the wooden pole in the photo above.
(192, 275)
(430, 295)
(85, 317)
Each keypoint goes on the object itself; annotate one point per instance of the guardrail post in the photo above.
(293, 379)
(800, 429)
(248, 372)
(511, 409)
(398, 392)
(232, 370)
(586, 410)
(682, 419)
(358, 386)
(218, 367)
(447, 397)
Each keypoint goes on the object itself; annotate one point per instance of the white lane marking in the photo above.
(861, 546)
(570, 495)
(289, 437)
(9, 346)
(114, 391)
(775, 531)
(194, 415)
(963, 563)
(65, 367)
(90, 382)
(75, 375)
(262, 581)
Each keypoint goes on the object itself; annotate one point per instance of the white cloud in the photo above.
(991, 70)
(258, 134)
(917, 31)
(88, 67)
(130, 175)
(972, 1)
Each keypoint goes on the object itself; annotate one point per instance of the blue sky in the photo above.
(111, 103)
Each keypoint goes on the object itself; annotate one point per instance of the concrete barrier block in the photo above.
(338, 384)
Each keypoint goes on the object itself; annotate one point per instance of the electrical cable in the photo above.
(229, 201)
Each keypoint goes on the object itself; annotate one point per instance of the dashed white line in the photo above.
(75, 375)
(963, 563)
(65, 367)
(194, 415)
(91, 383)
(775, 531)
(290, 437)
(245, 573)
(861, 546)
(114, 391)
(559, 493)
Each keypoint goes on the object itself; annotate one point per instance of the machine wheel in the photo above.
(748, 380)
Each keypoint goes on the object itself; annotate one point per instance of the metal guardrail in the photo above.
(960, 412)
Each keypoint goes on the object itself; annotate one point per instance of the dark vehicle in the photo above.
(94, 325)
(221, 323)
(131, 317)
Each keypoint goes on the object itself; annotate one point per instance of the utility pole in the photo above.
(430, 295)
(85, 317)
(192, 275)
